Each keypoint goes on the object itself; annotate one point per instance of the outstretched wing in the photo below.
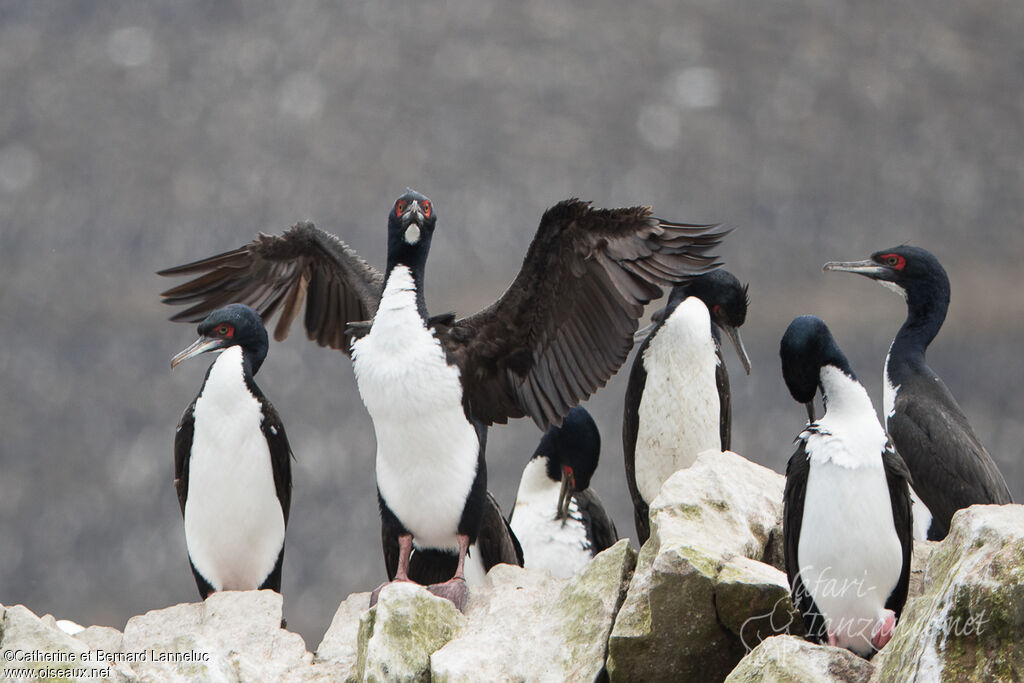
(566, 323)
(276, 273)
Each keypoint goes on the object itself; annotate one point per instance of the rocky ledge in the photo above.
(705, 599)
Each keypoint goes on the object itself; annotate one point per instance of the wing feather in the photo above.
(566, 323)
(276, 274)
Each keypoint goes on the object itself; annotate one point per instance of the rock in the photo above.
(700, 585)
(102, 638)
(30, 640)
(339, 645)
(398, 635)
(526, 625)
(918, 562)
(232, 636)
(788, 659)
(967, 622)
(752, 601)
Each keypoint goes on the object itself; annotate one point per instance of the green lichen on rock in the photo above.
(788, 659)
(397, 636)
(699, 578)
(967, 621)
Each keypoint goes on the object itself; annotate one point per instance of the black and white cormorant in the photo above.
(557, 517)
(677, 399)
(232, 468)
(847, 526)
(951, 469)
(432, 385)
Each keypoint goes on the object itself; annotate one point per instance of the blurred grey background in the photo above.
(138, 135)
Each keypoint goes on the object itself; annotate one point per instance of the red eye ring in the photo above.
(426, 208)
(400, 207)
(226, 331)
(894, 261)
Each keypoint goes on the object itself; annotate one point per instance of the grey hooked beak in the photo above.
(565, 494)
(810, 411)
(867, 267)
(413, 214)
(733, 334)
(201, 345)
(412, 222)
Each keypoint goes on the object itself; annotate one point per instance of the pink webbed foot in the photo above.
(883, 631)
(832, 639)
(453, 589)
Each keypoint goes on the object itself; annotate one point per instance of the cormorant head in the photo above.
(727, 301)
(232, 325)
(905, 269)
(572, 451)
(807, 346)
(411, 224)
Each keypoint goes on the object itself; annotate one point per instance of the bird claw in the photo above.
(884, 630)
(453, 589)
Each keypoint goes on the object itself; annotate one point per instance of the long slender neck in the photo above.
(927, 304)
(403, 278)
(408, 259)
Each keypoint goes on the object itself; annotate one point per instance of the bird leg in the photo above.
(402, 571)
(454, 589)
(883, 631)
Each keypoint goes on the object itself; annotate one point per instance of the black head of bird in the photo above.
(572, 452)
(727, 301)
(807, 346)
(232, 325)
(411, 224)
(912, 272)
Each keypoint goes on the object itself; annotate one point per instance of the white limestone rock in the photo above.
(701, 596)
(339, 646)
(28, 641)
(232, 636)
(968, 620)
(398, 635)
(527, 625)
(788, 659)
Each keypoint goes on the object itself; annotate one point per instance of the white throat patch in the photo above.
(412, 234)
(893, 287)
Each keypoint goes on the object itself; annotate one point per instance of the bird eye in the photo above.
(716, 309)
(226, 331)
(894, 261)
(399, 207)
(426, 208)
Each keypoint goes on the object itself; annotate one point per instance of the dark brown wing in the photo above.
(898, 478)
(797, 471)
(566, 323)
(182, 451)
(630, 429)
(496, 541)
(275, 273)
(923, 430)
(724, 399)
(601, 530)
(280, 455)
